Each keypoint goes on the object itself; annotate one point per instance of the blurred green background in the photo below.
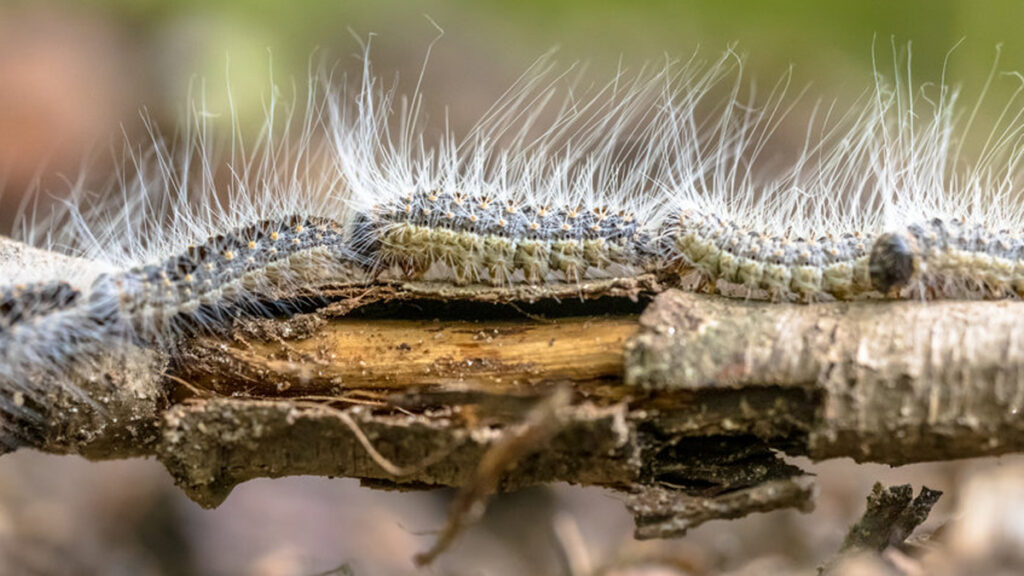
(74, 75)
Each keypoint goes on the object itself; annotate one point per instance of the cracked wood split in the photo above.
(685, 409)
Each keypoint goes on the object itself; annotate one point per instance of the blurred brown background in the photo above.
(74, 75)
(73, 79)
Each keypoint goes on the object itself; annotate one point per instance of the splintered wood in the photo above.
(686, 409)
(487, 356)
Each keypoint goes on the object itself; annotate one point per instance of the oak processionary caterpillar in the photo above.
(669, 173)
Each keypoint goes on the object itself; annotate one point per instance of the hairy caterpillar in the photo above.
(952, 226)
(949, 258)
(504, 205)
(649, 186)
(227, 269)
(656, 174)
(22, 302)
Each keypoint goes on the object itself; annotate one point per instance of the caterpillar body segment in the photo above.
(787, 267)
(949, 258)
(481, 240)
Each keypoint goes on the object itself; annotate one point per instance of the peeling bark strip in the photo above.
(661, 512)
(714, 390)
(899, 382)
(212, 446)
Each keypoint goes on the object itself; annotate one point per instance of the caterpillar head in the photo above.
(893, 262)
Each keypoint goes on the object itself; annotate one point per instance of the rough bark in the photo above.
(897, 382)
(685, 409)
(682, 408)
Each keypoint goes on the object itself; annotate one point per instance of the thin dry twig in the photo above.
(378, 458)
(539, 425)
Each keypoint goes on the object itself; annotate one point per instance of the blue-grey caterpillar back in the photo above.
(661, 179)
(786, 266)
(22, 302)
(949, 259)
(21, 306)
(482, 239)
(47, 327)
(230, 273)
(44, 327)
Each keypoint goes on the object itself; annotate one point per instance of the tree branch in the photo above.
(685, 409)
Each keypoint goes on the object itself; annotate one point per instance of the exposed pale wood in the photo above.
(345, 354)
(685, 409)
